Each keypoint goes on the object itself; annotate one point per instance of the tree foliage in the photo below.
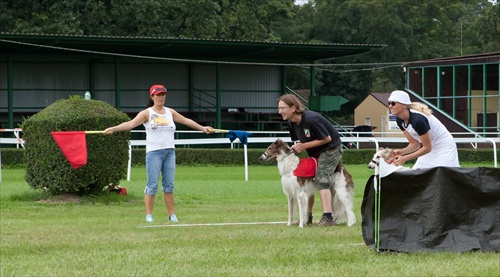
(220, 19)
(412, 30)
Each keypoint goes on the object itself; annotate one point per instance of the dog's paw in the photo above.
(351, 219)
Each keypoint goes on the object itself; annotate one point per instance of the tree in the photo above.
(361, 22)
(487, 30)
(207, 19)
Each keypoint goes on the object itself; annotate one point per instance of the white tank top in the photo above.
(160, 130)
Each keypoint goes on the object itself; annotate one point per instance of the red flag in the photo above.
(73, 145)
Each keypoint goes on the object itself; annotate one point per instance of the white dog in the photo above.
(298, 189)
(387, 155)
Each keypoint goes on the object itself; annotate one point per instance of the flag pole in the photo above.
(221, 131)
(94, 132)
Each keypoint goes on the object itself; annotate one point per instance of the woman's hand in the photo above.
(399, 160)
(208, 130)
(298, 147)
(109, 131)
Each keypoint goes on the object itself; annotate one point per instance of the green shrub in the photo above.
(12, 157)
(476, 155)
(46, 166)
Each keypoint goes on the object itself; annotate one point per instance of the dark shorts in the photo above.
(327, 163)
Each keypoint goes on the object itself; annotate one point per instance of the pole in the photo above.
(461, 38)
(246, 162)
(94, 132)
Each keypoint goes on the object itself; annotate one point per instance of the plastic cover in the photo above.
(435, 209)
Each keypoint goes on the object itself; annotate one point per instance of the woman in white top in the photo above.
(429, 140)
(159, 122)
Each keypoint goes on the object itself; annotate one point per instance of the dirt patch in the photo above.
(63, 198)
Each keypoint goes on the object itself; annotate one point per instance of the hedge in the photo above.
(13, 157)
(46, 165)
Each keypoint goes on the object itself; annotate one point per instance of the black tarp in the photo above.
(436, 209)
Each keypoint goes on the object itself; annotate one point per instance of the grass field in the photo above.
(106, 236)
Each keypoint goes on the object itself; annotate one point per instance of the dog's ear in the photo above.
(280, 142)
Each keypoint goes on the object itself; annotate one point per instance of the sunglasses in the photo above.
(157, 90)
(392, 103)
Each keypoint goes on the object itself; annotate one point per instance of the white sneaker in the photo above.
(172, 218)
(149, 218)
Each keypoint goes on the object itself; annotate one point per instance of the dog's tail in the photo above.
(341, 168)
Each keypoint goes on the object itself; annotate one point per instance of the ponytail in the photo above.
(421, 107)
(151, 103)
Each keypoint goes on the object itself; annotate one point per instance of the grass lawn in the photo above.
(108, 236)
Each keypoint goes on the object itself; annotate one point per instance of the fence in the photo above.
(269, 137)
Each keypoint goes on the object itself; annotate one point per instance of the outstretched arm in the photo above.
(179, 118)
(129, 125)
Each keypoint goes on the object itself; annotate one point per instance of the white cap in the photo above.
(400, 97)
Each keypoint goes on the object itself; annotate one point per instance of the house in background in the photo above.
(373, 111)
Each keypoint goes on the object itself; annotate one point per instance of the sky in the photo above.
(300, 2)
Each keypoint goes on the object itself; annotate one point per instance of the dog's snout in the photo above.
(371, 164)
(262, 157)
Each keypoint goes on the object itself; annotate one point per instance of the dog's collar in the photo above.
(289, 152)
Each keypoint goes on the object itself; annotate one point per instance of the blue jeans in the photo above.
(157, 161)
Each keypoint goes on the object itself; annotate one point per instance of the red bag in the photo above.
(306, 168)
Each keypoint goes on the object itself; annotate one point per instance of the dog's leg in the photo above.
(302, 200)
(291, 208)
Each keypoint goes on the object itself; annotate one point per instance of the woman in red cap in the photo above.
(159, 122)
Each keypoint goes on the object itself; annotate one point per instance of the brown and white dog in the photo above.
(298, 189)
(385, 154)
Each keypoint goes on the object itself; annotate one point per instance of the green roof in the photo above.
(181, 48)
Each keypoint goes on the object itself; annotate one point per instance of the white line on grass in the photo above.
(211, 224)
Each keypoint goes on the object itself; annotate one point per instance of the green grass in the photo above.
(105, 236)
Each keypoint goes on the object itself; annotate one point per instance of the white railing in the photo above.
(375, 140)
(271, 137)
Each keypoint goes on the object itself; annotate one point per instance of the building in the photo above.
(465, 89)
(217, 82)
(462, 91)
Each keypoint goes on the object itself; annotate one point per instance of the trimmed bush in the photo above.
(46, 166)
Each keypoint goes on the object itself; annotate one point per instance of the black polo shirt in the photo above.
(314, 126)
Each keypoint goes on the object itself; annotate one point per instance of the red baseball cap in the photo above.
(156, 89)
